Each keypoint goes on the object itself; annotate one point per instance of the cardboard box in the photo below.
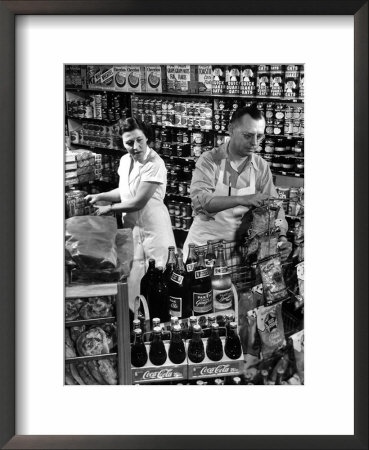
(155, 77)
(136, 79)
(93, 77)
(120, 78)
(204, 79)
(181, 78)
(107, 77)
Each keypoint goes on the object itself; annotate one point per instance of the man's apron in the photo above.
(151, 229)
(225, 223)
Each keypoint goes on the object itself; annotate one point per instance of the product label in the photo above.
(202, 302)
(223, 299)
(142, 375)
(211, 370)
(190, 267)
(201, 273)
(221, 271)
(209, 263)
(175, 306)
(177, 278)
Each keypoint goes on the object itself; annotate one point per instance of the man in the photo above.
(231, 179)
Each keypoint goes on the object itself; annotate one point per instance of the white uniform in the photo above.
(151, 226)
(225, 223)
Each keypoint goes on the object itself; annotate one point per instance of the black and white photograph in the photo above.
(184, 223)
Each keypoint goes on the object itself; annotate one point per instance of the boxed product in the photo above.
(107, 77)
(248, 80)
(204, 79)
(233, 75)
(136, 79)
(155, 78)
(218, 85)
(181, 78)
(93, 77)
(120, 78)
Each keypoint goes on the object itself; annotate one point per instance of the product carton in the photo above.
(204, 79)
(107, 77)
(155, 78)
(93, 77)
(136, 79)
(181, 78)
(120, 78)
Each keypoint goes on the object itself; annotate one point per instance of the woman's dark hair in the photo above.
(252, 110)
(132, 123)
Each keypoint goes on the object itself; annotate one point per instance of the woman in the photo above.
(139, 197)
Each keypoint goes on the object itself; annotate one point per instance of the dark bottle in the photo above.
(158, 304)
(264, 377)
(177, 352)
(214, 347)
(171, 263)
(201, 291)
(218, 382)
(177, 292)
(192, 323)
(196, 352)
(148, 280)
(136, 324)
(157, 353)
(138, 349)
(207, 330)
(155, 323)
(210, 257)
(228, 319)
(280, 373)
(191, 259)
(232, 346)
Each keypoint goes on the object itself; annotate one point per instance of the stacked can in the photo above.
(180, 214)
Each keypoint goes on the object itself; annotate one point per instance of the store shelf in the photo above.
(81, 359)
(178, 195)
(116, 150)
(293, 217)
(81, 322)
(93, 119)
(90, 290)
(186, 158)
(284, 174)
(105, 91)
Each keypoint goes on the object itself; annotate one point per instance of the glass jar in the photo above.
(298, 148)
(280, 146)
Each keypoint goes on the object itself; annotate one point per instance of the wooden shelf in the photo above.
(90, 290)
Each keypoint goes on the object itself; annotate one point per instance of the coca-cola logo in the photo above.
(217, 370)
(160, 374)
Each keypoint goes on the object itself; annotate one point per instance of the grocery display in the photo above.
(232, 312)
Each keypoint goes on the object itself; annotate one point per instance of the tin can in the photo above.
(177, 209)
(182, 188)
(173, 220)
(171, 208)
(187, 221)
(197, 137)
(178, 222)
(186, 209)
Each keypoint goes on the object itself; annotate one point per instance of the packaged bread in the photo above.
(92, 342)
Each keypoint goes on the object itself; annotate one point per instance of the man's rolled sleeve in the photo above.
(203, 184)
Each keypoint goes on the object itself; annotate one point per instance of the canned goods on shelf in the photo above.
(171, 208)
(187, 221)
(177, 209)
(178, 222)
(173, 220)
(182, 188)
(186, 210)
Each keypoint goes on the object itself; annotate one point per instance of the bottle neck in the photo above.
(214, 334)
(171, 258)
(176, 337)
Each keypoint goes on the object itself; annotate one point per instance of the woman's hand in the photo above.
(92, 198)
(101, 210)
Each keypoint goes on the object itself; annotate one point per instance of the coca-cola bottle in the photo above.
(221, 283)
(171, 263)
(158, 303)
(192, 323)
(228, 319)
(155, 323)
(214, 347)
(179, 305)
(191, 259)
(264, 377)
(135, 324)
(157, 353)
(207, 330)
(232, 346)
(218, 382)
(280, 373)
(138, 349)
(173, 321)
(202, 294)
(177, 352)
(196, 351)
(210, 257)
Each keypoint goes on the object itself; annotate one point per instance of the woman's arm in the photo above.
(144, 193)
(111, 196)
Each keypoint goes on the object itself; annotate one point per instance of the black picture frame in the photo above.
(8, 11)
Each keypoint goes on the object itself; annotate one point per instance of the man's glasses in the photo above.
(252, 136)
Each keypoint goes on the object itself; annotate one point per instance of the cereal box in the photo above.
(120, 78)
(107, 77)
(181, 78)
(204, 79)
(155, 78)
(93, 77)
(136, 79)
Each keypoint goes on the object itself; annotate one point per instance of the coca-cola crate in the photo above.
(212, 369)
(150, 373)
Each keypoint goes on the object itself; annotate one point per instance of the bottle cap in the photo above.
(215, 326)
(193, 319)
(233, 325)
(264, 373)
(156, 321)
(237, 380)
(137, 331)
(196, 327)
(157, 330)
(136, 323)
(174, 320)
(218, 381)
(177, 327)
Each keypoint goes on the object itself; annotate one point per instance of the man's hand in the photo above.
(284, 247)
(92, 198)
(253, 199)
(101, 210)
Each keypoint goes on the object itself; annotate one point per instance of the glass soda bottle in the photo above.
(138, 349)
(210, 257)
(192, 323)
(196, 351)
(191, 259)
(155, 323)
(177, 351)
(157, 353)
(280, 373)
(158, 298)
(148, 280)
(135, 324)
(207, 330)
(171, 263)
(221, 283)
(201, 292)
(178, 299)
(214, 347)
(232, 346)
